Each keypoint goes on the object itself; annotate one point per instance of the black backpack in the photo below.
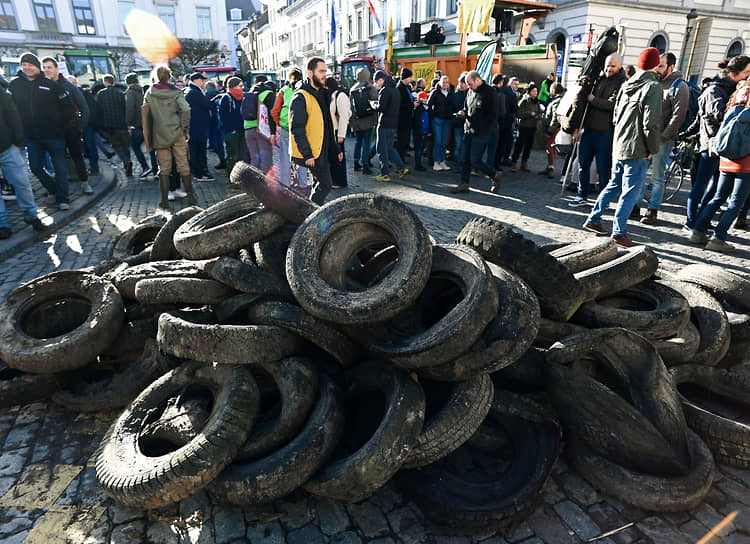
(361, 102)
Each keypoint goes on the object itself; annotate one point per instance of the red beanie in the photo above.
(649, 58)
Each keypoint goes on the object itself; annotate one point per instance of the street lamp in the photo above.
(691, 17)
(239, 57)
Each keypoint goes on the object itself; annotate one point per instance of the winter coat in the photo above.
(229, 114)
(110, 109)
(601, 108)
(368, 122)
(502, 104)
(674, 106)
(133, 104)
(405, 105)
(637, 116)
(81, 112)
(388, 105)
(711, 108)
(529, 112)
(457, 100)
(44, 106)
(481, 110)
(439, 105)
(201, 110)
(341, 112)
(169, 115)
(306, 136)
(12, 133)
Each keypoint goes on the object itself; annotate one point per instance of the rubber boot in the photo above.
(187, 182)
(164, 188)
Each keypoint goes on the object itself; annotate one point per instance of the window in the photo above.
(431, 8)
(45, 15)
(660, 42)
(735, 48)
(360, 35)
(351, 28)
(452, 7)
(235, 14)
(126, 6)
(204, 22)
(7, 16)
(166, 14)
(84, 16)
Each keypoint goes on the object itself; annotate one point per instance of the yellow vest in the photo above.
(313, 129)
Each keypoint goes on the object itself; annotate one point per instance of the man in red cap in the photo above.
(637, 138)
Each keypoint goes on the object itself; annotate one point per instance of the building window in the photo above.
(7, 16)
(660, 42)
(735, 48)
(84, 16)
(360, 34)
(204, 22)
(166, 14)
(431, 8)
(235, 14)
(351, 27)
(452, 7)
(45, 15)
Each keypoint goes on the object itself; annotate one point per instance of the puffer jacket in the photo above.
(527, 108)
(711, 108)
(169, 115)
(637, 117)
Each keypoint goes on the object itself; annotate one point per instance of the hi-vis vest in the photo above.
(313, 129)
(287, 92)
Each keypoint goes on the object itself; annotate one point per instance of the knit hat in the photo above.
(31, 58)
(233, 82)
(380, 74)
(648, 59)
(423, 95)
(405, 72)
(132, 77)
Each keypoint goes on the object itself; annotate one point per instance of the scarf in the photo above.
(236, 93)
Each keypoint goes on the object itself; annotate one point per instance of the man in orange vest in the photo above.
(312, 141)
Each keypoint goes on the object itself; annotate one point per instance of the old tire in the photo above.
(134, 240)
(134, 478)
(680, 348)
(552, 331)
(184, 291)
(270, 252)
(19, 388)
(587, 254)
(381, 302)
(632, 267)
(163, 248)
(357, 470)
(126, 279)
(225, 227)
(59, 321)
(245, 278)
(559, 293)
(720, 282)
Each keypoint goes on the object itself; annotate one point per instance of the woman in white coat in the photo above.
(341, 112)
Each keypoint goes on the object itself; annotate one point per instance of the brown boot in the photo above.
(187, 182)
(525, 167)
(164, 188)
(649, 218)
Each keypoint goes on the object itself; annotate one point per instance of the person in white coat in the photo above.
(341, 112)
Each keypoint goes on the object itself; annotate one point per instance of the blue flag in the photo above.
(333, 23)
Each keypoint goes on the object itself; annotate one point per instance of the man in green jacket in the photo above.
(637, 138)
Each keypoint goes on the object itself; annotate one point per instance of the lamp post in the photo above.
(691, 17)
(239, 58)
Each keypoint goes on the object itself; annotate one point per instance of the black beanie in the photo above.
(31, 58)
(405, 72)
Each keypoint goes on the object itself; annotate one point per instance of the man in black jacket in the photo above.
(481, 116)
(388, 119)
(13, 166)
(112, 122)
(134, 120)
(405, 113)
(45, 109)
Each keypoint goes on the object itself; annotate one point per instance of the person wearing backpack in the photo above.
(674, 110)
(363, 120)
(734, 180)
(341, 112)
(636, 138)
(258, 145)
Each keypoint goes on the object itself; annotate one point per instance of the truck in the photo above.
(87, 65)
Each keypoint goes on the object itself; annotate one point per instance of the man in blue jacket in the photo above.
(201, 110)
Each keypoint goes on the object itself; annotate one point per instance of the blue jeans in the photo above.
(658, 168)
(136, 139)
(440, 128)
(13, 165)
(627, 176)
(739, 187)
(386, 150)
(492, 141)
(595, 144)
(458, 145)
(362, 147)
(56, 149)
(707, 166)
(260, 149)
(474, 148)
(89, 148)
(285, 161)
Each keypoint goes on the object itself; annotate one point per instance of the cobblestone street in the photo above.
(48, 489)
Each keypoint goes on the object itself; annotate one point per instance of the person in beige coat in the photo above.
(341, 113)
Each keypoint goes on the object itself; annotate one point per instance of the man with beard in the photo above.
(312, 141)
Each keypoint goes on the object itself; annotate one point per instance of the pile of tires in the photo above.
(266, 345)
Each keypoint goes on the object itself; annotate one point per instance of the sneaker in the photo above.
(179, 193)
(463, 188)
(5, 233)
(382, 177)
(64, 206)
(698, 237)
(86, 188)
(170, 195)
(8, 192)
(146, 173)
(402, 173)
(208, 177)
(444, 166)
(715, 244)
(436, 167)
(623, 240)
(36, 223)
(595, 227)
(577, 202)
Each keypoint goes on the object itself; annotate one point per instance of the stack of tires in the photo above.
(266, 344)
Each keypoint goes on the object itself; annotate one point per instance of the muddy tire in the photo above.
(245, 278)
(720, 282)
(126, 279)
(287, 468)
(358, 470)
(137, 238)
(651, 309)
(559, 293)
(225, 227)
(379, 303)
(184, 336)
(137, 478)
(59, 322)
(183, 291)
(553, 331)
(163, 248)
(587, 254)
(632, 267)
(270, 252)
(20, 388)
(680, 348)
(454, 413)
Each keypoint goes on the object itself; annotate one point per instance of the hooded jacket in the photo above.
(674, 106)
(169, 115)
(388, 106)
(637, 117)
(133, 103)
(711, 108)
(601, 108)
(229, 114)
(363, 81)
(43, 105)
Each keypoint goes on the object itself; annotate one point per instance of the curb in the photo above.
(27, 236)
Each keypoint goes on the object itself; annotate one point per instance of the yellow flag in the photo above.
(425, 70)
(389, 55)
(474, 16)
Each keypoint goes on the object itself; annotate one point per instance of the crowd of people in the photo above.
(634, 115)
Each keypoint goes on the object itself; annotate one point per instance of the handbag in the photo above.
(733, 139)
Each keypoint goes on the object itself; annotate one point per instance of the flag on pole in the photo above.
(389, 54)
(374, 13)
(485, 61)
(333, 23)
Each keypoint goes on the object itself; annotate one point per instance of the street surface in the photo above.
(48, 490)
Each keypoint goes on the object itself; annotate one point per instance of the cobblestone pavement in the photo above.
(48, 491)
